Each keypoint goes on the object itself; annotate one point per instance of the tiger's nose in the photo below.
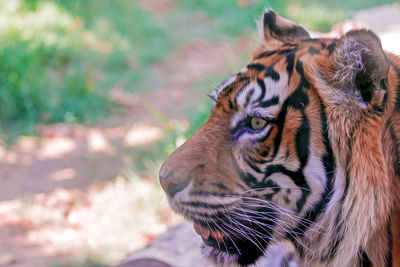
(171, 185)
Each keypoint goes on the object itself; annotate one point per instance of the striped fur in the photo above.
(324, 171)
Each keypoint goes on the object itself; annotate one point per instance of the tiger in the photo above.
(302, 145)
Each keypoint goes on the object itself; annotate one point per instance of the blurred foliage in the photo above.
(45, 76)
(60, 58)
(320, 15)
(232, 16)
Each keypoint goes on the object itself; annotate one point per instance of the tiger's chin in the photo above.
(231, 250)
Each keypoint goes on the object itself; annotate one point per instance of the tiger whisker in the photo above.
(274, 206)
(260, 224)
(244, 233)
(273, 187)
(268, 216)
(227, 234)
(294, 237)
(292, 216)
(262, 216)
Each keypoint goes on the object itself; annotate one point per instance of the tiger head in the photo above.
(289, 141)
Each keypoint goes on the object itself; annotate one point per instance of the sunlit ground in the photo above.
(102, 223)
(86, 224)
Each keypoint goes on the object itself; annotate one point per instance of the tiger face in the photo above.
(266, 166)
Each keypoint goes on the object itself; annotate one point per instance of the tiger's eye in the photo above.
(257, 123)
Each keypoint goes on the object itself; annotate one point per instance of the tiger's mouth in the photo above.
(223, 247)
(213, 238)
(231, 235)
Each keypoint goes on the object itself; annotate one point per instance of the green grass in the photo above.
(59, 59)
(43, 77)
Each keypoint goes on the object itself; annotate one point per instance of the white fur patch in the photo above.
(222, 86)
(349, 61)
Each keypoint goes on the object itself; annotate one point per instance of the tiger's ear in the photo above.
(275, 29)
(361, 65)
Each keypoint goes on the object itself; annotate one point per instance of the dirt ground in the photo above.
(58, 191)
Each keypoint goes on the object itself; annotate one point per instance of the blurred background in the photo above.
(94, 94)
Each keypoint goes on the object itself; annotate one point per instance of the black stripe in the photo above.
(297, 100)
(267, 150)
(315, 41)
(300, 70)
(291, 44)
(228, 90)
(313, 51)
(337, 239)
(240, 78)
(303, 141)
(280, 123)
(267, 54)
(323, 44)
(328, 158)
(251, 181)
(262, 86)
(302, 149)
(397, 70)
(270, 72)
(230, 104)
(290, 63)
(243, 79)
(297, 177)
(240, 185)
(285, 51)
(396, 152)
(254, 167)
(256, 66)
(390, 244)
(364, 259)
(332, 46)
(329, 164)
(259, 161)
(379, 109)
(269, 102)
(220, 185)
(247, 178)
(274, 187)
(248, 97)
